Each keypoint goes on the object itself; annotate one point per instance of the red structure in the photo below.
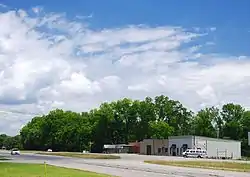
(135, 147)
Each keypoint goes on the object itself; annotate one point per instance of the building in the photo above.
(216, 148)
(133, 147)
(175, 145)
(115, 148)
(154, 147)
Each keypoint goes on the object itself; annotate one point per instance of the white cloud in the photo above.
(3, 6)
(48, 61)
(213, 28)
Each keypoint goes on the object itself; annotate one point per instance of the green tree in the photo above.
(145, 114)
(232, 115)
(245, 123)
(205, 122)
(173, 113)
(12, 142)
(160, 129)
(3, 137)
(127, 120)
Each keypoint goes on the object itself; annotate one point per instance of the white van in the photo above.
(196, 153)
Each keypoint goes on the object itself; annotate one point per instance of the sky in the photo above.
(74, 55)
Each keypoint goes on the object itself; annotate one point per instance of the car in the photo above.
(15, 151)
(49, 150)
(196, 153)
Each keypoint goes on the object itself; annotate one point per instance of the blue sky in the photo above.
(230, 17)
(194, 51)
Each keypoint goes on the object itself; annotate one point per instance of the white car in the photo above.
(196, 153)
(15, 151)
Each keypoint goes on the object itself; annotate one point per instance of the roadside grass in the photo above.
(29, 151)
(229, 166)
(245, 158)
(3, 158)
(81, 155)
(38, 170)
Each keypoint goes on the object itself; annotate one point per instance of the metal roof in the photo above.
(203, 137)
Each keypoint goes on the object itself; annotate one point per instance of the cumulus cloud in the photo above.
(48, 61)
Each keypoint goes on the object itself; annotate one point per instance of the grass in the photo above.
(245, 158)
(3, 158)
(38, 170)
(81, 155)
(29, 151)
(229, 166)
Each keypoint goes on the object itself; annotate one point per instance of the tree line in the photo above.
(129, 120)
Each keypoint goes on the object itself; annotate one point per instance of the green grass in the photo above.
(29, 151)
(38, 170)
(229, 166)
(81, 155)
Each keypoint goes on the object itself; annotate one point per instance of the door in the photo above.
(149, 149)
(173, 150)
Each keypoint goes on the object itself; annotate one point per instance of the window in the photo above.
(185, 147)
(173, 146)
(166, 149)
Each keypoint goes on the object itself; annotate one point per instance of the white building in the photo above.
(154, 147)
(216, 148)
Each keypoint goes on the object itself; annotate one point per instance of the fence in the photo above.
(222, 154)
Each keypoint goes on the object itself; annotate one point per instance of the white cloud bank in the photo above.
(48, 61)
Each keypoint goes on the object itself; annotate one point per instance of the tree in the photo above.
(145, 114)
(12, 142)
(205, 122)
(127, 120)
(160, 129)
(173, 113)
(3, 137)
(232, 115)
(245, 123)
(101, 133)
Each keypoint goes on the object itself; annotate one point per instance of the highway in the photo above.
(128, 165)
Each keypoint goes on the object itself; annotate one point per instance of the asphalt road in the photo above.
(128, 165)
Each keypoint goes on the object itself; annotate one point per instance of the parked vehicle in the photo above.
(196, 153)
(15, 151)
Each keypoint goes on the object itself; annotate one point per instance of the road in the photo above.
(128, 165)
